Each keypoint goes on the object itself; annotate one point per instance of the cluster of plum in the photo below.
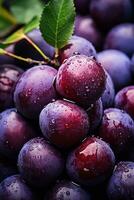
(67, 132)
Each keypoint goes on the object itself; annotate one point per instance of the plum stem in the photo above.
(29, 60)
(38, 49)
(56, 53)
(56, 62)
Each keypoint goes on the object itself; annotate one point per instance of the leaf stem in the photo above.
(28, 60)
(38, 49)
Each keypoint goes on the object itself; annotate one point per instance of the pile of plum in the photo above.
(67, 132)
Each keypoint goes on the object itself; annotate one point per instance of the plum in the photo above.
(108, 13)
(34, 90)
(117, 129)
(64, 124)
(95, 113)
(118, 65)
(67, 190)
(85, 27)
(14, 188)
(81, 79)
(121, 183)
(39, 163)
(124, 99)
(91, 163)
(109, 93)
(121, 37)
(9, 74)
(15, 131)
(77, 45)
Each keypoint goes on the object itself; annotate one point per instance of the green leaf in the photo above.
(7, 15)
(25, 10)
(7, 21)
(57, 22)
(34, 23)
(45, 1)
(20, 34)
(4, 24)
(1, 1)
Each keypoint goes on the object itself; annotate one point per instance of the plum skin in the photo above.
(81, 79)
(95, 113)
(64, 124)
(77, 45)
(34, 90)
(121, 37)
(116, 62)
(85, 27)
(39, 163)
(124, 99)
(117, 129)
(102, 12)
(9, 74)
(14, 188)
(91, 163)
(121, 184)
(109, 93)
(15, 131)
(65, 190)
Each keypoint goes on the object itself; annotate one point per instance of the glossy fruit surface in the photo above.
(117, 129)
(108, 13)
(125, 100)
(77, 45)
(34, 90)
(85, 27)
(91, 163)
(67, 190)
(64, 124)
(109, 93)
(14, 188)
(121, 183)
(81, 79)
(95, 113)
(9, 74)
(117, 64)
(67, 100)
(15, 131)
(39, 163)
(121, 37)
